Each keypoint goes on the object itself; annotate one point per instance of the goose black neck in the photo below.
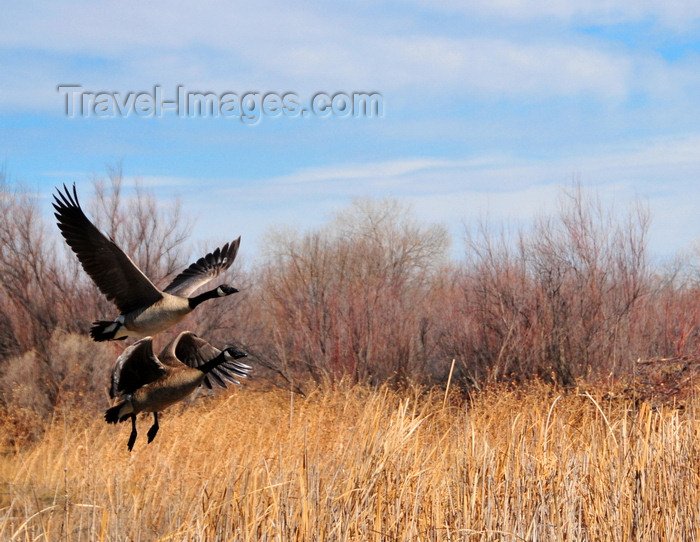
(212, 363)
(196, 300)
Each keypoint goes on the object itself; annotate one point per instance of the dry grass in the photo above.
(356, 464)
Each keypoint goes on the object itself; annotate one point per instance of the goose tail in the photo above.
(112, 414)
(104, 330)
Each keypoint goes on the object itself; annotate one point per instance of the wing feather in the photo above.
(204, 269)
(114, 273)
(194, 351)
(136, 367)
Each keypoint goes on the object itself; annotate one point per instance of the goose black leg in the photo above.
(154, 428)
(132, 437)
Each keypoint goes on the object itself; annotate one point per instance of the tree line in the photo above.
(372, 296)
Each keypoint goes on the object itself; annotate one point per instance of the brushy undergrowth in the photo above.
(354, 463)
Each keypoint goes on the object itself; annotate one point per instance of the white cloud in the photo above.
(303, 49)
(664, 172)
(508, 68)
(361, 172)
(645, 164)
(676, 14)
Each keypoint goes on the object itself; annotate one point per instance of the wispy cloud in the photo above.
(677, 14)
(299, 47)
(663, 172)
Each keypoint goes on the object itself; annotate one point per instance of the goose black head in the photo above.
(225, 290)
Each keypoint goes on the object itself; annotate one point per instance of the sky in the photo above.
(488, 107)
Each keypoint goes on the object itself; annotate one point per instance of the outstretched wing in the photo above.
(136, 367)
(195, 352)
(109, 267)
(204, 270)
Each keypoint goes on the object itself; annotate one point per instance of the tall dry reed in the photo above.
(356, 464)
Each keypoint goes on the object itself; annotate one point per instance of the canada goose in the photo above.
(145, 310)
(147, 383)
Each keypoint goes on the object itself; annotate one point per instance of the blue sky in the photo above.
(489, 106)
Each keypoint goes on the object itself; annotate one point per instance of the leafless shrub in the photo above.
(36, 295)
(21, 383)
(77, 371)
(347, 300)
(80, 367)
(555, 300)
(667, 320)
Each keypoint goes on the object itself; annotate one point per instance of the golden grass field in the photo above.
(365, 465)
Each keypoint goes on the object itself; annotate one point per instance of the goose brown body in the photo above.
(177, 385)
(149, 383)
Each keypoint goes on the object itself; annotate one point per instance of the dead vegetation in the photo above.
(354, 463)
(346, 433)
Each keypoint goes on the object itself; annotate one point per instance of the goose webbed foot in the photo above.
(154, 428)
(132, 436)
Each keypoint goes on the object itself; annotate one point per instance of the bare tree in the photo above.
(555, 299)
(346, 300)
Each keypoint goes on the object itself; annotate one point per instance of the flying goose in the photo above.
(145, 310)
(148, 383)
